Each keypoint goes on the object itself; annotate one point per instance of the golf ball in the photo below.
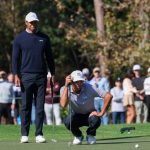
(136, 145)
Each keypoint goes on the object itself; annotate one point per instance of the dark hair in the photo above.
(129, 74)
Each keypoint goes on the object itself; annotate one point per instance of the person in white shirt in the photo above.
(147, 93)
(117, 108)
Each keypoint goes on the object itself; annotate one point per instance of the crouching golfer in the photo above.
(83, 113)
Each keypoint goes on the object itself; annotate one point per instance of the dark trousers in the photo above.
(74, 121)
(147, 101)
(32, 86)
(118, 117)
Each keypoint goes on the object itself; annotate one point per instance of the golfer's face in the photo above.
(77, 86)
(32, 26)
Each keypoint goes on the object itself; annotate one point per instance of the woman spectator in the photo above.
(51, 106)
(117, 108)
(128, 98)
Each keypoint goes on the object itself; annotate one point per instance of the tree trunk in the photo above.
(99, 14)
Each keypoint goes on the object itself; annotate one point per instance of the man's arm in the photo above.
(64, 99)
(16, 54)
(49, 57)
(107, 99)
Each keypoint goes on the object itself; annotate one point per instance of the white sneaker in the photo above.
(24, 139)
(91, 139)
(77, 140)
(40, 139)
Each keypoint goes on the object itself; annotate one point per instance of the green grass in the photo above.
(108, 138)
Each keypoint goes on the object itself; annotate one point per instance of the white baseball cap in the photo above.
(85, 71)
(148, 70)
(77, 76)
(31, 16)
(96, 69)
(136, 67)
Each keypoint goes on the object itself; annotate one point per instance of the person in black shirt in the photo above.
(30, 58)
(138, 83)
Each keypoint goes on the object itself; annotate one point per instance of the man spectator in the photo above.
(100, 82)
(86, 74)
(138, 83)
(31, 56)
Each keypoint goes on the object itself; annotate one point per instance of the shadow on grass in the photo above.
(125, 140)
(127, 137)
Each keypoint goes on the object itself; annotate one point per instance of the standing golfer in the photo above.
(83, 112)
(30, 58)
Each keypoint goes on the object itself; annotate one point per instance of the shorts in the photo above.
(128, 99)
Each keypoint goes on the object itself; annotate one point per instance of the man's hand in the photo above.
(68, 80)
(52, 80)
(17, 81)
(95, 113)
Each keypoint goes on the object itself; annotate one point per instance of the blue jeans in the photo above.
(118, 117)
(99, 103)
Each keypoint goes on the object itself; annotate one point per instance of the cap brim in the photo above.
(78, 79)
(33, 20)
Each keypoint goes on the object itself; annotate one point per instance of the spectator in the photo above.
(7, 98)
(117, 108)
(138, 82)
(100, 82)
(147, 93)
(52, 107)
(128, 98)
(30, 58)
(86, 74)
(81, 96)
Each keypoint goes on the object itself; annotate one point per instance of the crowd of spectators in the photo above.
(130, 103)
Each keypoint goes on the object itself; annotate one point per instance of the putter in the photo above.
(53, 132)
(70, 108)
(128, 129)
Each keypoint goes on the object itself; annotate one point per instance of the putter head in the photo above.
(128, 129)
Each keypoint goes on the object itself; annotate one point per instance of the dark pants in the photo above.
(5, 111)
(118, 117)
(79, 120)
(32, 86)
(147, 101)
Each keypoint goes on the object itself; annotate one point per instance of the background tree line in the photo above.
(77, 41)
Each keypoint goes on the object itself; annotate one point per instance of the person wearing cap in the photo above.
(30, 58)
(147, 93)
(117, 108)
(138, 83)
(102, 82)
(86, 74)
(80, 96)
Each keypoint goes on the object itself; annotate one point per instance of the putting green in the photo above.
(108, 138)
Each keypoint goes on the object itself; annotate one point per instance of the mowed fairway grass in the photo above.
(108, 138)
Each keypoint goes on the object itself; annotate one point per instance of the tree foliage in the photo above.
(71, 26)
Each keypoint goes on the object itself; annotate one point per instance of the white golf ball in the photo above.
(136, 145)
